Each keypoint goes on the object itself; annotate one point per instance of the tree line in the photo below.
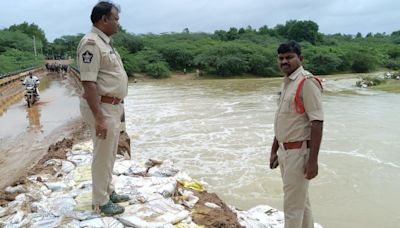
(17, 47)
(237, 51)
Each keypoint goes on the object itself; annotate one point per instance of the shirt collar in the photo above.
(101, 34)
(296, 73)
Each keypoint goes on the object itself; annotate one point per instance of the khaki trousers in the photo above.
(104, 150)
(296, 204)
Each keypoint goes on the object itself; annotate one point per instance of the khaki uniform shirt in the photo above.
(99, 62)
(290, 126)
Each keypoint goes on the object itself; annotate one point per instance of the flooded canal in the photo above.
(221, 131)
(26, 133)
(49, 112)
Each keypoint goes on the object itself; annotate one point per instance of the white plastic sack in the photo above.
(153, 214)
(108, 222)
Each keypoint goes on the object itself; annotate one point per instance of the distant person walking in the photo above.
(298, 133)
(105, 84)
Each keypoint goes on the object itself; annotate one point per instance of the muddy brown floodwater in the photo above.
(31, 136)
(26, 133)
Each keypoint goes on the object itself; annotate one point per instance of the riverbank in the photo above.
(39, 168)
(390, 85)
(220, 130)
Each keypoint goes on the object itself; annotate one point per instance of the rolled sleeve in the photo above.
(312, 100)
(89, 62)
(89, 76)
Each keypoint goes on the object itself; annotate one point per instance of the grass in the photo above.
(390, 85)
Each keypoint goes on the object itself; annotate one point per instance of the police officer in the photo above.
(298, 134)
(105, 85)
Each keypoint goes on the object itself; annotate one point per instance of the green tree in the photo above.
(323, 63)
(64, 46)
(363, 62)
(232, 34)
(128, 41)
(128, 61)
(14, 59)
(143, 58)
(264, 30)
(220, 35)
(302, 31)
(225, 59)
(262, 64)
(31, 30)
(281, 30)
(231, 52)
(395, 33)
(158, 70)
(185, 30)
(16, 40)
(177, 58)
(230, 65)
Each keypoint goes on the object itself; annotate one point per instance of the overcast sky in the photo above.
(70, 17)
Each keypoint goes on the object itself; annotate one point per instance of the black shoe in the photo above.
(115, 198)
(111, 208)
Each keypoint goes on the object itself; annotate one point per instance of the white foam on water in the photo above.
(223, 135)
(369, 156)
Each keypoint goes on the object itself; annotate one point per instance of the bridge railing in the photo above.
(75, 69)
(9, 77)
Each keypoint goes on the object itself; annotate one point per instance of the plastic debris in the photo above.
(195, 185)
(165, 169)
(259, 215)
(16, 189)
(153, 214)
(108, 222)
(211, 205)
(187, 198)
(56, 186)
(67, 166)
(168, 190)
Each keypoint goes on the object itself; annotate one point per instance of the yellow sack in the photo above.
(195, 185)
(182, 225)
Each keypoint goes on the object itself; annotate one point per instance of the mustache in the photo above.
(284, 64)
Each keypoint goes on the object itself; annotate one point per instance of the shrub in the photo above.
(158, 69)
(323, 63)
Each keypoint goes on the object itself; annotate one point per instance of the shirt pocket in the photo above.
(287, 104)
(109, 60)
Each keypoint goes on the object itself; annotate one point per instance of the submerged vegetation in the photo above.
(237, 51)
(390, 85)
(389, 82)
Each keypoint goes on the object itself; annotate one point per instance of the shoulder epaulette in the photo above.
(308, 74)
(297, 101)
(90, 41)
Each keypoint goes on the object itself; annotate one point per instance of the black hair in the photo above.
(102, 8)
(291, 46)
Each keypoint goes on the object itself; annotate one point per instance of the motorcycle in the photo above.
(30, 95)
